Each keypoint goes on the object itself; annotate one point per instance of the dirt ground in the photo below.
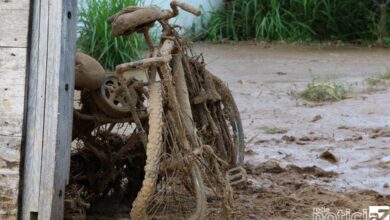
(288, 177)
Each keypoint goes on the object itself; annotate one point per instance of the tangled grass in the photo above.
(295, 20)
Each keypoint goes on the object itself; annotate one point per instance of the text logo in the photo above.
(379, 212)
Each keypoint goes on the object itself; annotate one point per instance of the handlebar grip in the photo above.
(185, 7)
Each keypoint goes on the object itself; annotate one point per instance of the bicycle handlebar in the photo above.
(185, 7)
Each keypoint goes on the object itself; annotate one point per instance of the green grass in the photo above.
(322, 92)
(274, 130)
(373, 81)
(385, 76)
(379, 78)
(295, 20)
(95, 36)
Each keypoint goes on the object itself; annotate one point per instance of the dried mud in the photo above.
(332, 155)
(288, 193)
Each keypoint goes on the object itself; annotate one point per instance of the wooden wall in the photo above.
(38, 99)
(14, 21)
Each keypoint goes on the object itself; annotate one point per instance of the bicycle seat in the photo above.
(134, 19)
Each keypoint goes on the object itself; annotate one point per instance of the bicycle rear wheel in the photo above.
(234, 119)
(215, 113)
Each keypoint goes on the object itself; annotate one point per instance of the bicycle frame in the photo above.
(190, 116)
(179, 101)
(169, 53)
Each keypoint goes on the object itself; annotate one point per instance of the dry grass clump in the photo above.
(385, 76)
(322, 92)
(274, 130)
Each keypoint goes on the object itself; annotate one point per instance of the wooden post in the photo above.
(50, 108)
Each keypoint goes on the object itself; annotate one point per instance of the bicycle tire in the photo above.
(234, 119)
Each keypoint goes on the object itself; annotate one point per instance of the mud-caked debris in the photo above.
(316, 118)
(302, 140)
(329, 156)
(354, 137)
(250, 152)
(313, 170)
(289, 139)
(376, 133)
(274, 167)
(281, 73)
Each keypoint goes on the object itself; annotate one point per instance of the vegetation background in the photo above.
(355, 21)
(361, 21)
(95, 37)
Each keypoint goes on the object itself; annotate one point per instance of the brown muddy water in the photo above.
(289, 174)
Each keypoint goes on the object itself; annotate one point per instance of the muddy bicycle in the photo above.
(166, 143)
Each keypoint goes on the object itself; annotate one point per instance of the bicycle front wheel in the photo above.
(153, 153)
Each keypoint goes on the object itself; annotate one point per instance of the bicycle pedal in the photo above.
(236, 176)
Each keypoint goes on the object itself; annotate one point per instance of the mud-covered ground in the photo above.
(286, 135)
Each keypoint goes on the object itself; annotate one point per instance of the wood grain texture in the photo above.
(9, 175)
(12, 83)
(51, 82)
(68, 80)
(14, 17)
(10, 148)
(36, 110)
(13, 28)
(8, 185)
(49, 193)
(14, 4)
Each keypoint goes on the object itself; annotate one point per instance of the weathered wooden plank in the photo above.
(51, 70)
(58, 108)
(12, 92)
(48, 192)
(14, 18)
(8, 193)
(12, 86)
(68, 79)
(35, 110)
(11, 126)
(9, 176)
(14, 28)
(10, 147)
(14, 5)
(13, 59)
(11, 105)
(9, 165)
